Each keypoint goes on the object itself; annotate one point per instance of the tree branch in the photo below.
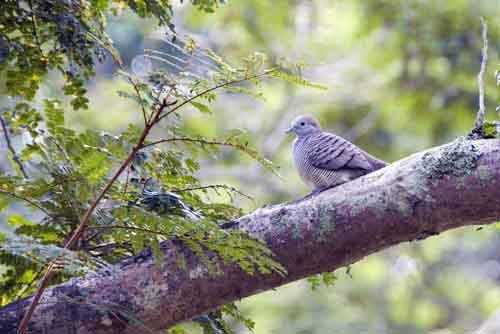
(451, 186)
(15, 157)
(480, 117)
(50, 272)
(27, 200)
(189, 140)
(214, 187)
(213, 88)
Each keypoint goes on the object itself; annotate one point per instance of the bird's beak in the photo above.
(289, 130)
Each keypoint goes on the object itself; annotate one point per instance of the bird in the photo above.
(325, 160)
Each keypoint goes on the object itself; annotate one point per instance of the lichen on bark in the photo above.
(458, 159)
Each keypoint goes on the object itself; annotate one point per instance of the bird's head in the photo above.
(304, 125)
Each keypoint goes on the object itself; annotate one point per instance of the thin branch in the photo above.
(27, 200)
(44, 282)
(155, 118)
(28, 285)
(126, 182)
(221, 85)
(35, 29)
(137, 91)
(15, 157)
(133, 228)
(108, 246)
(478, 124)
(214, 187)
(190, 140)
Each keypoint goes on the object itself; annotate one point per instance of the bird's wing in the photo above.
(331, 152)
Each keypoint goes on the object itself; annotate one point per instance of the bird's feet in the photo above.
(310, 195)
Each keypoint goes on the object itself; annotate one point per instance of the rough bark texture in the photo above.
(447, 187)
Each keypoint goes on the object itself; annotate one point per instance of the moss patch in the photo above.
(491, 130)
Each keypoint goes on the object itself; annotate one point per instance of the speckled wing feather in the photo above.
(331, 152)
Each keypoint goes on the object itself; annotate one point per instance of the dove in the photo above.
(325, 160)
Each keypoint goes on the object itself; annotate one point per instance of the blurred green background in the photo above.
(401, 77)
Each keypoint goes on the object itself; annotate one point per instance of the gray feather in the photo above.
(331, 152)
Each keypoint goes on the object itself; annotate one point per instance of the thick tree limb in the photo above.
(447, 187)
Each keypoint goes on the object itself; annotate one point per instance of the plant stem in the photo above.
(15, 157)
(133, 228)
(211, 89)
(478, 124)
(150, 123)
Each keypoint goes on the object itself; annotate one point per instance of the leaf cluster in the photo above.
(39, 37)
(156, 198)
(125, 192)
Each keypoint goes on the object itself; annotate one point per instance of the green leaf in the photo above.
(100, 4)
(179, 329)
(297, 80)
(314, 281)
(201, 107)
(14, 164)
(18, 220)
(55, 116)
(329, 278)
(4, 202)
(138, 242)
(95, 166)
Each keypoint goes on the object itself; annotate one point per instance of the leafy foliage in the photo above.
(97, 197)
(328, 279)
(215, 323)
(37, 37)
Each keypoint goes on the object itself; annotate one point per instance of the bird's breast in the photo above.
(312, 176)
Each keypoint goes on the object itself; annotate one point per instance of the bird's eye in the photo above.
(302, 123)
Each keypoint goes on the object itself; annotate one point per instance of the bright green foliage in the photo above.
(216, 322)
(295, 79)
(156, 195)
(491, 130)
(328, 279)
(74, 167)
(37, 37)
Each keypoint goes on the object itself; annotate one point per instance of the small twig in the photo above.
(28, 285)
(143, 109)
(189, 140)
(15, 157)
(35, 30)
(153, 120)
(126, 227)
(49, 274)
(108, 246)
(362, 127)
(478, 124)
(27, 200)
(127, 177)
(214, 187)
(221, 85)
